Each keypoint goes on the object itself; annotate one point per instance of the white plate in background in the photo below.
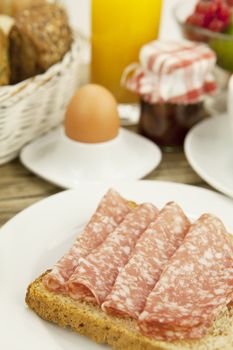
(209, 150)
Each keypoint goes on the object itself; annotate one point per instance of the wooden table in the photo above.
(19, 188)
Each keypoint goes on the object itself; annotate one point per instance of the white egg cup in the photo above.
(66, 163)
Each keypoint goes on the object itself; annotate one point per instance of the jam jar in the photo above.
(172, 80)
(167, 124)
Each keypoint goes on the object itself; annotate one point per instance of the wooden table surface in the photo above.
(19, 188)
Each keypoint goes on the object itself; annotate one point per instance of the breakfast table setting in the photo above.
(116, 174)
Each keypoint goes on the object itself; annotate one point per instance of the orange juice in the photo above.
(119, 29)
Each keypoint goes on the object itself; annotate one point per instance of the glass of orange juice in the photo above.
(119, 29)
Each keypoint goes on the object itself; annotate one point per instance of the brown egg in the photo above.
(92, 115)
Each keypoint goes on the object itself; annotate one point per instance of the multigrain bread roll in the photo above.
(4, 64)
(6, 24)
(12, 7)
(40, 38)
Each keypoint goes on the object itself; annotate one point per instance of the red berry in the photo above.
(224, 13)
(207, 7)
(208, 18)
(229, 2)
(197, 19)
(216, 25)
(211, 14)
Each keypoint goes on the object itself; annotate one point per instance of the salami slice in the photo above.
(152, 251)
(96, 274)
(109, 214)
(195, 286)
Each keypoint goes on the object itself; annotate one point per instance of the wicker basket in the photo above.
(38, 104)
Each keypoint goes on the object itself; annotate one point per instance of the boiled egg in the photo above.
(92, 115)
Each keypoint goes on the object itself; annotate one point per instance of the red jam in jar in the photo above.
(167, 124)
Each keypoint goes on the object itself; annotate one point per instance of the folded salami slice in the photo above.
(109, 214)
(195, 286)
(94, 277)
(152, 251)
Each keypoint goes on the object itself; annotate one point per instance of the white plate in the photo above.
(66, 163)
(32, 241)
(209, 150)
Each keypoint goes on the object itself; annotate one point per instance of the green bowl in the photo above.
(221, 43)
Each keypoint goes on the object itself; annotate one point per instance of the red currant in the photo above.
(212, 14)
(216, 25)
(229, 2)
(223, 12)
(207, 7)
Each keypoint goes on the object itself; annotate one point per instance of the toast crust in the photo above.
(121, 334)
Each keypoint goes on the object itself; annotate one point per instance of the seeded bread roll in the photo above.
(4, 64)
(12, 7)
(40, 38)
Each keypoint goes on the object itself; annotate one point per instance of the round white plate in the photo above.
(32, 241)
(66, 163)
(209, 150)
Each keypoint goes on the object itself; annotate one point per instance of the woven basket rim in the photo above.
(10, 91)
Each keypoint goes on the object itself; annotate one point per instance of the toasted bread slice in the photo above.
(121, 334)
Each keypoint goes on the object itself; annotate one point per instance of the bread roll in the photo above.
(12, 7)
(39, 38)
(4, 64)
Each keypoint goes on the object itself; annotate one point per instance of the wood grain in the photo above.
(19, 188)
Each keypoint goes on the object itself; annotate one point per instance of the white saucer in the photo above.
(66, 163)
(209, 150)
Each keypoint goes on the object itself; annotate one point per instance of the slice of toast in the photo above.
(121, 334)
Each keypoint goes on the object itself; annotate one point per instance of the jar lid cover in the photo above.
(176, 72)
